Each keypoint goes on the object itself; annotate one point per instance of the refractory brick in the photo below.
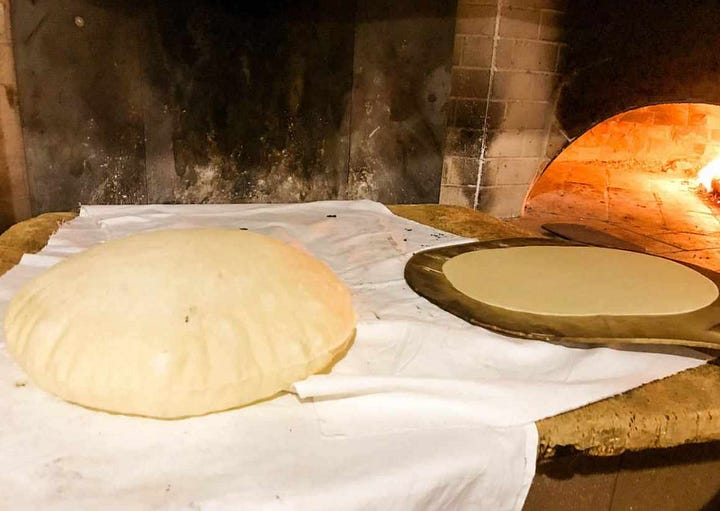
(526, 55)
(470, 83)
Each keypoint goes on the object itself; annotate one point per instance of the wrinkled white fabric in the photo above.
(424, 412)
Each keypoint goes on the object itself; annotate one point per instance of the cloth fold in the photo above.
(410, 372)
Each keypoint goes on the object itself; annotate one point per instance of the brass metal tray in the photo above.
(700, 328)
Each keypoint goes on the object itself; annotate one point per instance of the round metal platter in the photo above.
(699, 328)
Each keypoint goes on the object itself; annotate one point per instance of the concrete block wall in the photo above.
(14, 196)
(501, 118)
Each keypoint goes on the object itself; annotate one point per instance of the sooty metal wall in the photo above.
(187, 101)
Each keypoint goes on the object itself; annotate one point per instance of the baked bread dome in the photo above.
(177, 323)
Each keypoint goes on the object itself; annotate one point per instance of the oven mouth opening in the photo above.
(650, 176)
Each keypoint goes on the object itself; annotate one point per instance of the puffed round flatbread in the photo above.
(579, 281)
(177, 323)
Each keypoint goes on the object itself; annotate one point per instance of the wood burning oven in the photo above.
(554, 69)
(463, 103)
(636, 176)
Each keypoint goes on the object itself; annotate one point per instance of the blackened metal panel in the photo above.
(80, 101)
(403, 55)
(258, 92)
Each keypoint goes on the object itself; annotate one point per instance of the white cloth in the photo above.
(425, 411)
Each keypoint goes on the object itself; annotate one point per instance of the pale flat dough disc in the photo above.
(178, 323)
(579, 281)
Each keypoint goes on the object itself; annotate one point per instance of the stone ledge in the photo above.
(681, 409)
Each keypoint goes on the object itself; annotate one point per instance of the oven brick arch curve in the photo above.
(667, 144)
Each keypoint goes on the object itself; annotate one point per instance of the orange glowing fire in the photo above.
(709, 176)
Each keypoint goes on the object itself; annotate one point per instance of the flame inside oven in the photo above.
(709, 176)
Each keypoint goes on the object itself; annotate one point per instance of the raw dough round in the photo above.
(579, 281)
(177, 323)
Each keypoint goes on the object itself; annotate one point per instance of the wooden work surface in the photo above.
(684, 408)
